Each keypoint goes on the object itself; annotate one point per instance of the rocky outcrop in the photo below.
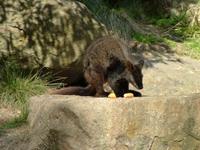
(148, 123)
(50, 34)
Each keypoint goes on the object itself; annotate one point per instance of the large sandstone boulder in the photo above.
(148, 123)
(52, 34)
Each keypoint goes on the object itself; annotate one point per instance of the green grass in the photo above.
(148, 39)
(178, 25)
(169, 21)
(193, 47)
(16, 87)
(170, 43)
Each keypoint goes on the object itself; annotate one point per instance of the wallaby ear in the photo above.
(141, 63)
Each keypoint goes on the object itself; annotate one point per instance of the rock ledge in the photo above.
(156, 123)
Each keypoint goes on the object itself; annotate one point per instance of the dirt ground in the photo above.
(7, 113)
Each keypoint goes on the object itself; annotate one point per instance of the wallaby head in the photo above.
(135, 75)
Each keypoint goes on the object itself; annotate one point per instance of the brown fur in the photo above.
(107, 60)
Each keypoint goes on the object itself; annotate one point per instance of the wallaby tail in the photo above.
(75, 90)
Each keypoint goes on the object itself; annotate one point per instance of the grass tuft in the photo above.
(16, 87)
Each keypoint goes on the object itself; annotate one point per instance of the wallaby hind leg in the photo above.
(120, 87)
(96, 79)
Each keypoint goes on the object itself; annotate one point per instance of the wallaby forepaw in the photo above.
(112, 95)
(128, 95)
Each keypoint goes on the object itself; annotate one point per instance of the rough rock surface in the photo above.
(15, 139)
(51, 33)
(156, 123)
(171, 76)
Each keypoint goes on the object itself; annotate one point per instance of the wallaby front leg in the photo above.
(120, 87)
(96, 79)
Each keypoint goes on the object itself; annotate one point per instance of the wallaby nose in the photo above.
(141, 87)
